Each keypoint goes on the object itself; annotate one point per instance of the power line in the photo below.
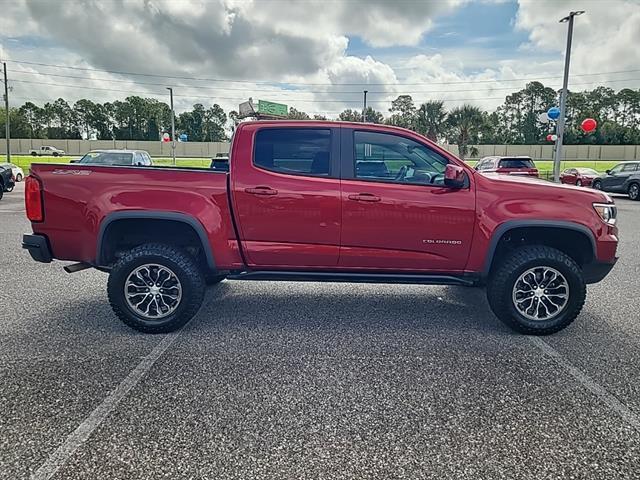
(225, 98)
(354, 92)
(261, 82)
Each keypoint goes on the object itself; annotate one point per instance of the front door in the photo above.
(617, 176)
(287, 197)
(397, 214)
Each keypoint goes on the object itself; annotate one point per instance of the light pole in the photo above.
(364, 109)
(563, 96)
(173, 128)
(6, 106)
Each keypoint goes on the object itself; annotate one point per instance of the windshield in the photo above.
(587, 171)
(107, 158)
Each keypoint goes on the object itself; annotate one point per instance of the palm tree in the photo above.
(464, 122)
(430, 119)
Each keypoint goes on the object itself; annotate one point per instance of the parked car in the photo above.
(46, 150)
(623, 178)
(116, 157)
(18, 173)
(507, 165)
(220, 162)
(582, 177)
(296, 208)
(7, 180)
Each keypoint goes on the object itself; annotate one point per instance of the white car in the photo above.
(17, 172)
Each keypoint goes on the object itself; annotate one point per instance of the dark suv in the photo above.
(623, 178)
(7, 180)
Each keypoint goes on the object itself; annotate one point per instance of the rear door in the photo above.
(396, 212)
(286, 191)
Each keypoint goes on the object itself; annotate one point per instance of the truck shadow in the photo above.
(345, 306)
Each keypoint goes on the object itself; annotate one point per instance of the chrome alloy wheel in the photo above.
(540, 293)
(153, 291)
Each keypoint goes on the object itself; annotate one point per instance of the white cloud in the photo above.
(300, 42)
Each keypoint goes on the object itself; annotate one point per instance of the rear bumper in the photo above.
(38, 247)
(596, 271)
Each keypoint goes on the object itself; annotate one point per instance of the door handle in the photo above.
(364, 197)
(261, 191)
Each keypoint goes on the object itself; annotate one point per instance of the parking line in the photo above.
(80, 435)
(590, 384)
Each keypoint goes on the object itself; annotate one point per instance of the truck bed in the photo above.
(79, 198)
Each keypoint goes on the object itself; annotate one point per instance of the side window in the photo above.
(147, 159)
(296, 151)
(617, 169)
(630, 167)
(391, 158)
(138, 159)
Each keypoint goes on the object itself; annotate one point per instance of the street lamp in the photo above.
(563, 96)
(173, 128)
(364, 107)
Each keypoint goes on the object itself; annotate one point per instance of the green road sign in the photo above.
(271, 108)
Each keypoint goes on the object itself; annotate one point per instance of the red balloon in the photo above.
(589, 125)
(549, 138)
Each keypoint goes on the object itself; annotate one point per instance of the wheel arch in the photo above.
(189, 221)
(583, 253)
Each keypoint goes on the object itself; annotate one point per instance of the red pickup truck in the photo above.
(323, 201)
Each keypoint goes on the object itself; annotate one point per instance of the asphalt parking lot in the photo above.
(313, 381)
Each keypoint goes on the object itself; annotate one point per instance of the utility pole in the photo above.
(563, 96)
(173, 128)
(6, 106)
(364, 109)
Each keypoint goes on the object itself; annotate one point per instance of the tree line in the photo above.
(135, 118)
(513, 122)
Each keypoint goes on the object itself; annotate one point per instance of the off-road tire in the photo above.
(506, 273)
(180, 263)
(634, 191)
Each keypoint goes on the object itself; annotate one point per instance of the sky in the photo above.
(315, 55)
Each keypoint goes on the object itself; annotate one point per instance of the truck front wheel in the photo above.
(155, 288)
(537, 290)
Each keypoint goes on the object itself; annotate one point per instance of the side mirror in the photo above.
(608, 172)
(73, 160)
(454, 176)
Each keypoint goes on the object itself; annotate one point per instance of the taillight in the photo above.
(33, 199)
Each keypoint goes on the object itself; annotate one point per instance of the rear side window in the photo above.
(296, 151)
(516, 163)
(630, 167)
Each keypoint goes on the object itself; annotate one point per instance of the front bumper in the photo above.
(596, 271)
(38, 247)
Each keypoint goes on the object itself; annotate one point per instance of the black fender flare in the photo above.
(156, 215)
(505, 227)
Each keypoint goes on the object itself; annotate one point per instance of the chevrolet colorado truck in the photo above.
(323, 201)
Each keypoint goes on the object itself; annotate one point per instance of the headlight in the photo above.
(607, 211)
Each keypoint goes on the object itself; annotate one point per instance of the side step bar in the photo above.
(347, 277)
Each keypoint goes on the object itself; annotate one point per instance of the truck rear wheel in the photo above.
(537, 290)
(155, 288)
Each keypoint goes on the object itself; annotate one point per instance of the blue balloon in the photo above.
(553, 113)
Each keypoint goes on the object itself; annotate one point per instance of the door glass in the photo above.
(295, 151)
(391, 158)
(617, 169)
(629, 167)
